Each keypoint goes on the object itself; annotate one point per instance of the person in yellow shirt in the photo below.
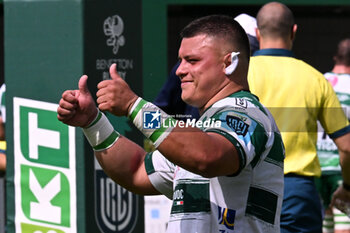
(297, 96)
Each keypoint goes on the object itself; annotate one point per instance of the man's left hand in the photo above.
(115, 95)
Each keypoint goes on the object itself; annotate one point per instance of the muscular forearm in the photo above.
(207, 154)
(123, 162)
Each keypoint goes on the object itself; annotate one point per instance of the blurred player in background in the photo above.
(334, 220)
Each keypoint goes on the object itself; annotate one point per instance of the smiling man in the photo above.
(225, 177)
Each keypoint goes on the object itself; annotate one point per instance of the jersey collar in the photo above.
(274, 52)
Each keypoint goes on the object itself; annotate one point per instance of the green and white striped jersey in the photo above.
(248, 201)
(326, 149)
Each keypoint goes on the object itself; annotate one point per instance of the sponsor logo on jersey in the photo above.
(237, 124)
(241, 102)
(178, 197)
(226, 217)
(191, 196)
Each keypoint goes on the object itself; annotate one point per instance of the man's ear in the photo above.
(232, 62)
(257, 32)
(294, 31)
(227, 60)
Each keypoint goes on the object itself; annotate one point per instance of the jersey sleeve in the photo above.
(332, 116)
(160, 171)
(247, 135)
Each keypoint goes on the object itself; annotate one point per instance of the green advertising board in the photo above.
(53, 182)
(45, 188)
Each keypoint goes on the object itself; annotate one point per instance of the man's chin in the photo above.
(186, 100)
(190, 101)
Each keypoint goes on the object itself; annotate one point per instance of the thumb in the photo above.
(113, 71)
(83, 88)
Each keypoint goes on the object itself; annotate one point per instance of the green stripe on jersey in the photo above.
(344, 98)
(241, 153)
(259, 139)
(149, 163)
(276, 154)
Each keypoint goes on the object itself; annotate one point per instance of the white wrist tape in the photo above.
(100, 133)
(154, 123)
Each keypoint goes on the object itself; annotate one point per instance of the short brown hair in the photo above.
(219, 26)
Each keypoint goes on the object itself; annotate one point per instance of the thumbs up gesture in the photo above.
(115, 95)
(77, 107)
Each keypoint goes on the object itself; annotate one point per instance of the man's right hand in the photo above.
(77, 107)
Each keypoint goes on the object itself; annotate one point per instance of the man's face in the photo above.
(201, 69)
